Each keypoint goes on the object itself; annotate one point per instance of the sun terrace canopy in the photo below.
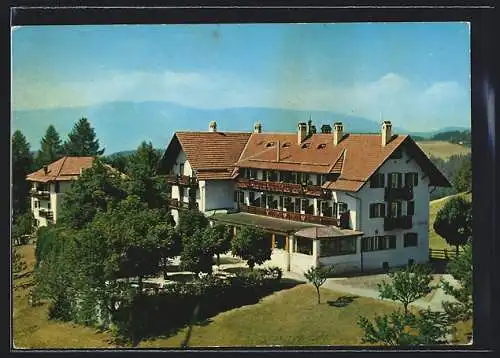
(327, 232)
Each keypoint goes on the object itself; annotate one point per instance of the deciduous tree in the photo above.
(251, 245)
(454, 221)
(197, 253)
(317, 276)
(191, 221)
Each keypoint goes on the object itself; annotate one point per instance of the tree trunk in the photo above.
(319, 297)
(405, 306)
(457, 249)
(218, 259)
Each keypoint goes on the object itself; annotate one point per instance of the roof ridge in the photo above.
(62, 165)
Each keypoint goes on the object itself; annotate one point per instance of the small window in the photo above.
(411, 179)
(36, 204)
(410, 239)
(396, 209)
(270, 144)
(410, 208)
(395, 180)
(297, 205)
(56, 187)
(181, 193)
(377, 210)
(377, 180)
(279, 242)
(321, 146)
(286, 144)
(253, 174)
(181, 169)
(341, 208)
(306, 145)
(48, 205)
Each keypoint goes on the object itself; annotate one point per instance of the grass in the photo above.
(442, 149)
(287, 318)
(435, 241)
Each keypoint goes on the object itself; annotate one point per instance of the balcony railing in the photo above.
(181, 180)
(322, 220)
(40, 194)
(176, 204)
(46, 213)
(404, 193)
(291, 188)
(402, 222)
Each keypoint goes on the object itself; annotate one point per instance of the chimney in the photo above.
(257, 128)
(386, 132)
(325, 128)
(338, 132)
(313, 129)
(301, 133)
(278, 152)
(309, 125)
(45, 169)
(212, 126)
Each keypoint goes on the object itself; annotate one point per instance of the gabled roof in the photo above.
(211, 154)
(355, 158)
(66, 168)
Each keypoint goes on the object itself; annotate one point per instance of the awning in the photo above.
(327, 232)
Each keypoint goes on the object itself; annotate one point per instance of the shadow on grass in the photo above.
(342, 301)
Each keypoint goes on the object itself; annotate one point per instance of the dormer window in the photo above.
(322, 146)
(286, 144)
(306, 145)
(270, 144)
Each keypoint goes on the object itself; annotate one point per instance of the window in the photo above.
(288, 204)
(395, 180)
(377, 210)
(410, 239)
(336, 247)
(241, 197)
(326, 209)
(235, 196)
(376, 243)
(48, 205)
(272, 175)
(396, 209)
(341, 208)
(56, 187)
(281, 203)
(410, 208)
(304, 246)
(411, 179)
(251, 196)
(286, 177)
(377, 180)
(273, 203)
(181, 169)
(181, 193)
(246, 173)
(279, 242)
(294, 177)
(37, 204)
(297, 205)
(253, 174)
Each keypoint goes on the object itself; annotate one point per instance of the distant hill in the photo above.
(122, 126)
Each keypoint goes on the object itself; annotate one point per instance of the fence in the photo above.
(442, 254)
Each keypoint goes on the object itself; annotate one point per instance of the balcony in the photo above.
(46, 213)
(290, 188)
(181, 180)
(176, 204)
(322, 220)
(404, 193)
(40, 194)
(402, 222)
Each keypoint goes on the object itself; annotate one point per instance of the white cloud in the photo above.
(394, 95)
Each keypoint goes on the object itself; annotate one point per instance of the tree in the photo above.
(82, 140)
(18, 263)
(24, 226)
(463, 178)
(400, 329)
(251, 245)
(50, 148)
(191, 221)
(220, 237)
(97, 189)
(407, 285)
(461, 269)
(317, 276)
(197, 253)
(22, 165)
(143, 179)
(454, 221)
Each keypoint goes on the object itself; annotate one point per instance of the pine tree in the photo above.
(50, 148)
(22, 165)
(82, 140)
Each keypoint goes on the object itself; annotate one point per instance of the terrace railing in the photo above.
(278, 187)
(181, 180)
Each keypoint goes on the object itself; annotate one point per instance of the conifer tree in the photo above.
(50, 147)
(82, 140)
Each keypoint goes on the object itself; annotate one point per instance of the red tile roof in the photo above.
(66, 168)
(212, 154)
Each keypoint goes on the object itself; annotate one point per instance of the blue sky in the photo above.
(416, 74)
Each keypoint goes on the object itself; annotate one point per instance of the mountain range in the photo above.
(122, 126)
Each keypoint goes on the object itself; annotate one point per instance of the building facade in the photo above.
(49, 185)
(355, 201)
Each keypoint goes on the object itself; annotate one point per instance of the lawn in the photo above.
(442, 149)
(287, 318)
(435, 241)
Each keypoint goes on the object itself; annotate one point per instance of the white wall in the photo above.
(300, 263)
(420, 219)
(219, 194)
(182, 159)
